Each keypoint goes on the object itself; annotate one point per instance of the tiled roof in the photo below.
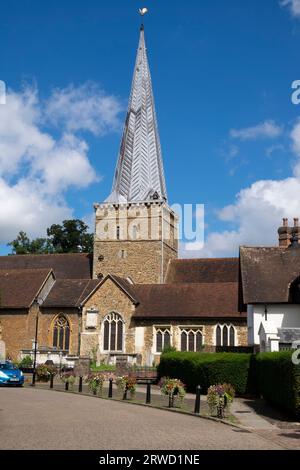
(203, 270)
(65, 266)
(267, 273)
(19, 287)
(215, 300)
(69, 292)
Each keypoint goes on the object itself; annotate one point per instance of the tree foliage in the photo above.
(70, 237)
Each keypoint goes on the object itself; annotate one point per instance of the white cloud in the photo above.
(86, 107)
(265, 130)
(36, 168)
(293, 6)
(257, 212)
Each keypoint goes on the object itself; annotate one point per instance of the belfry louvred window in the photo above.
(113, 330)
(61, 333)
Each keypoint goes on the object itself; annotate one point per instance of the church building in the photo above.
(133, 297)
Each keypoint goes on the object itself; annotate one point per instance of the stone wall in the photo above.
(128, 241)
(208, 327)
(106, 299)
(18, 329)
(46, 321)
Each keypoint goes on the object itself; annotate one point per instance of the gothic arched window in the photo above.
(191, 339)
(61, 333)
(163, 339)
(218, 336)
(113, 330)
(225, 336)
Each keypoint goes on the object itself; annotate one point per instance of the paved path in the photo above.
(44, 419)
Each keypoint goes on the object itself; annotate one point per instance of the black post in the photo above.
(110, 388)
(171, 401)
(80, 385)
(198, 400)
(125, 393)
(67, 386)
(51, 380)
(35, 343)
(148, 396)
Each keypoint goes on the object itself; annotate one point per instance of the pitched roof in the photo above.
(267, 273)
(203, 270)
(216, 300)
(69, 292)
(19, 287)
(121, 282)
(65, 266)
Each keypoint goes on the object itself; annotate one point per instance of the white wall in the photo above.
(139, 339)
(278, 316)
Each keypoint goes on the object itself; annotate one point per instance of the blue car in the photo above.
(10, 374)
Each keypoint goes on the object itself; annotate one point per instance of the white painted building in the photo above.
(271, 290)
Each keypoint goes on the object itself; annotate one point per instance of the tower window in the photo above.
(123, 254)
(118, 232)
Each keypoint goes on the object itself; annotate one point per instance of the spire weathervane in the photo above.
(143, 12)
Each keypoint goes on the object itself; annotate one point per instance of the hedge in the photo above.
(271, 375)
(278, 380)
(207, 369)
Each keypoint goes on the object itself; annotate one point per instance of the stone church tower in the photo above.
(136, 233)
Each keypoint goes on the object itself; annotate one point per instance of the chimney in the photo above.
(296, 232)
(285, 233)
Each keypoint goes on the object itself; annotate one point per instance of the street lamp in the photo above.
(37, 305)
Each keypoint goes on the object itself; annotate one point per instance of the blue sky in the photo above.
(222, 75)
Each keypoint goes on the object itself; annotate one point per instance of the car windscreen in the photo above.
(7, 366)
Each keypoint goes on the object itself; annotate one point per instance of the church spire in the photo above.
(139, 175)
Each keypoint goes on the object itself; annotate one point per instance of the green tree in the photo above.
(71, 237)
(22, 245)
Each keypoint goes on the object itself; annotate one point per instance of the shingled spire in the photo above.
(139, 175)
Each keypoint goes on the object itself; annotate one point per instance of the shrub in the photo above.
(207, 369)
(278, 380)
(103, 368)
(26, 362)
(168, 349)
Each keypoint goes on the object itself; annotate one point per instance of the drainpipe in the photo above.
(162, 245)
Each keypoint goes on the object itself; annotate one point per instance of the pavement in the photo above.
(45, 420)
